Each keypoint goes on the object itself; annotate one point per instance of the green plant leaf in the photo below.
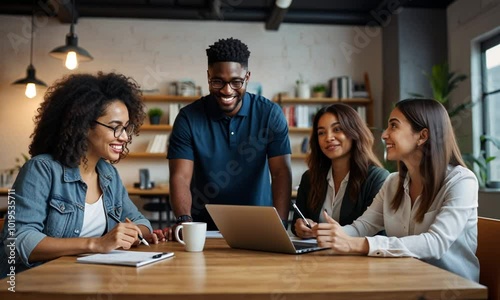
(490, 158)
(459, 108)
(492, 139)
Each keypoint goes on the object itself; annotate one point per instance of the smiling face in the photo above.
(401, 141)
(228, 99)
(334, 143)
(101, 139)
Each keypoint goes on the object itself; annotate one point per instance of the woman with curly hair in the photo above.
(344, 174)
(68, 196)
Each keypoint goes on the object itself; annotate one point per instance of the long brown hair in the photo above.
(439, 151)
(362, 155)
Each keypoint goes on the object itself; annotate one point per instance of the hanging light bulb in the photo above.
(71, 53)
(71, 60)
(30, 80)
(30, 90)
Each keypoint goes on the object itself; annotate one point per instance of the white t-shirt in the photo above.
(446, 238)
(94, 219)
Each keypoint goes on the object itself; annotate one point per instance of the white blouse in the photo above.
(446, 238)
(333, 201)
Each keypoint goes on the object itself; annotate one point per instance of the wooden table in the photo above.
(224, 273)
(160, 191)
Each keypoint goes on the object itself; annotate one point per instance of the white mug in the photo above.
(193, 234)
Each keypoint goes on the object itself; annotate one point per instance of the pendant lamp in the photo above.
(71, 53)
(30, 80)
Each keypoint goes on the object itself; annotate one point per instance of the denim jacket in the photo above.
(49, 200)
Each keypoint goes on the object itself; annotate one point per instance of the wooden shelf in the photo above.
(300, 130)
(169, 98)
(147, 155)
(305, 101)
(161, 127)
(298, 155)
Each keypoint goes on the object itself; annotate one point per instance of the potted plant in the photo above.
(155, 114)
(319, 91)
(443, 82)
(480, 163)
(302, 89)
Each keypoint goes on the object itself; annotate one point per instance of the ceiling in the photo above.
(345, 12)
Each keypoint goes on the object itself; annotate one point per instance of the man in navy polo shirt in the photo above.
(230, 147)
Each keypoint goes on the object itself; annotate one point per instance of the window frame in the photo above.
(484, 46)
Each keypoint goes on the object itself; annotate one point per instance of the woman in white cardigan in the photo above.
(428, 208)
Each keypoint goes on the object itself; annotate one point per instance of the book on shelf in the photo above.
(360, 91)
(300, 116)
(289, 112)
(173, 111)
(361, 112)
(158, 144)
(340, 87)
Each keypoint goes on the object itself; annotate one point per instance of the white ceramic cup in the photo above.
(193, 234)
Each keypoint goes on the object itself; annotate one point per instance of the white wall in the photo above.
(156, 52)
(469, 23)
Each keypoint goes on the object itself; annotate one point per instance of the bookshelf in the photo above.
(151, 130)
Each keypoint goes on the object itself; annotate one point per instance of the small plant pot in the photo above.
(318, 94)
(154, 120)
(303, 90)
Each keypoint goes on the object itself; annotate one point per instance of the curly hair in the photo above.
(228, 50)
(362, 155)
(70, 107)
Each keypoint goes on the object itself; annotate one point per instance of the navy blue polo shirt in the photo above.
(229, 153)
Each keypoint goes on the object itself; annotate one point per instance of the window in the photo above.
(490, 52)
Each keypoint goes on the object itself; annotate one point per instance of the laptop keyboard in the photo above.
(300, 246)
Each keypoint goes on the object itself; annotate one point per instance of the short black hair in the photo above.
(228, 50)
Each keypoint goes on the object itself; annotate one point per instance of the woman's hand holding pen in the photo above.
(123, 235)
(302, 230)
(332, 235)
(149, 237)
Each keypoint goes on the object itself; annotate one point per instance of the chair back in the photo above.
(488, 252)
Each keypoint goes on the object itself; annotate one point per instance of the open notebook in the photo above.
(125, 258)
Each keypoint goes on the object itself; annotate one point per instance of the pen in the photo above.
(301, 215)
(159, 255)
(141, 239)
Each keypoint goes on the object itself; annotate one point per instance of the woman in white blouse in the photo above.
(429, 208)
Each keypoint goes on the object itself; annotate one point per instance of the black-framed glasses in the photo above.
(235, 84)
(118, 130)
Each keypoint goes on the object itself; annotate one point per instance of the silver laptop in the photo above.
(255, 228)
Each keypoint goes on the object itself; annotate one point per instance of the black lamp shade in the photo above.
(30, 78)
(71, 45)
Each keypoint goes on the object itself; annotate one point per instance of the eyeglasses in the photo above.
(235, 84)
(118, 130)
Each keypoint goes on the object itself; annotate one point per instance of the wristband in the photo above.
(184, 218)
